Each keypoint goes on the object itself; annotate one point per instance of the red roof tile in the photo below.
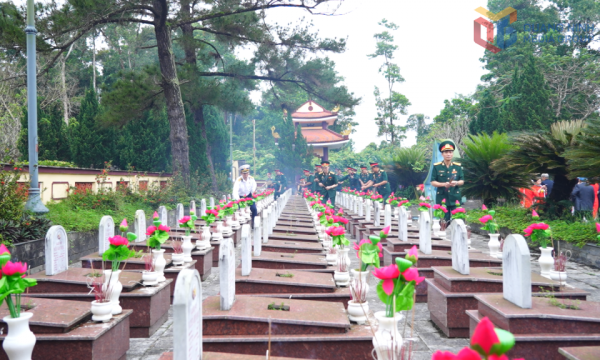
(322, 136)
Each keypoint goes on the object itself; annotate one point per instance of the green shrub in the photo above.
(12, 198)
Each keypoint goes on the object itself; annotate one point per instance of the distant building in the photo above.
(315, 121)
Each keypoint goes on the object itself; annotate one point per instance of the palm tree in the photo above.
(543, 152)
(584, 160)
(408, 166)
(483, 182)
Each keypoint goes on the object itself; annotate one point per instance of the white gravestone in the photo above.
(425, 233)
(460, 247)
(193, 207)
(202, 208)
(228, 196)
(224, 199)
(227, 273)
(187, 316)
(246, 250)
(516, 271)
(105, 230)
(361, 207)
(57, 250)
(179, 214)
(387, 215)
(265, 220)
(377, 221)
(140, 225)
(403, 224)
(368, 214)
(257, 236)
(163, 216)
(212, 202)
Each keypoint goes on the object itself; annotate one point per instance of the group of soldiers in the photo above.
(447, 176)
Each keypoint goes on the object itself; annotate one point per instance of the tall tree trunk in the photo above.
(63, 82)
(199, 119)
(189, 49)
(94, 61)
(170, 84)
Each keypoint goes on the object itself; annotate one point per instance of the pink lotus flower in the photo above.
(486, 218)
(443, 201)
(366, 241)
(184, 219)
(338, 231)
(483, 207)
(16, 268)
(150, 230)
(155, 216)
(329, 230)
(4, 250)
(597, 229)
(459, 210)
(342, 220)
(164, 228)
(387, 274)
(411, 274)
(413, 254)
(444, 209)
(118, 240)
(340, 211)
(437, 206)
(425, 205)
(534, 214)
(123, 226)
(386, 230)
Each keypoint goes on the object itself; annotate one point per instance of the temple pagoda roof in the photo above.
(311, 111)
(324, 137)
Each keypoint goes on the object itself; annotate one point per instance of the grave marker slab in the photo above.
(179, 211)
(257, 236)
(140, 225)
(387, 216)
(227, 273)
(193, 207)
(460, 247)
(425, 233)
(516, 270)
(246, 250)
(187, 316)
(403, 224)
(57, 250)
(105, 230)
(163, 216)
(212, 201)
(202, 208)
(266, 214)
(368, 211)
(361, 207)
(377, 219)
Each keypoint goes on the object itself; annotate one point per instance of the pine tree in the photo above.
(91, 143)
(53, 143)
(527, 105)
(488, 120)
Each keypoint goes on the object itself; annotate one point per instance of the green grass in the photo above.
(83, 218)
(516, 219)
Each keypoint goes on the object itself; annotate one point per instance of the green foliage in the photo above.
(56, 163)
(488, 116)
(517, 218)
(52, 134)
(583, 160)
(28, 227)
(12, 199)
(462, 106)
(481, 181)
(91, 144)
(409, 165)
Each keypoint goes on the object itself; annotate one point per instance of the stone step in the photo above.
(580, 353)
(270, 281)
(227, 356)
(300, 247)
(294, 237)
(275, 260)
(294, 230)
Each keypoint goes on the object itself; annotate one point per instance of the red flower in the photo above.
(413, 274)
(484, 335)
(150, 230)
(459, 210)
(464, 354)
(4, 250)
(425, 205)
(387, 274)
(486, 218)
(338, 231)
(118, 240)
(17, 268)
(164, 228)
(184, 219)
(483, 207)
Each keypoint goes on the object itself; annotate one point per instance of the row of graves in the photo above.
(123, 291)
(548, 318)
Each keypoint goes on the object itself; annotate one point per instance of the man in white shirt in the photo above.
(244, 187)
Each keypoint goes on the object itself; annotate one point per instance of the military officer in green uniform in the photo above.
(354, 183)
(309, 180)
(280, 183)
(327, 182)
(315, 185)
(447, 176)
(379, 181)
(364, 178)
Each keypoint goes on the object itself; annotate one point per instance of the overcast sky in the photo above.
(436, 53)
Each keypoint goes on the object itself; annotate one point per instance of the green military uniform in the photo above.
(340, 182)
(364, 178)
(327, 179)
(280, 185)
(311, 180)
(383, 190)
(442, 173)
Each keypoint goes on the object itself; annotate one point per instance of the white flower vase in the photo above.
(235, 222)
(217, 228)
(19, 342)
(343, 252)
(494, 246)
(101, 311)
(111, 279)
(227, 225)
(187, 247)
(331, 259)
(387, 340)
(363, 277)
(177, 259)
(436, 226)
(159, 263)
(546, 261)
(358, 312)
(204, 242)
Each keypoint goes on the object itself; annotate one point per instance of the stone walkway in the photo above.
(427, 338)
